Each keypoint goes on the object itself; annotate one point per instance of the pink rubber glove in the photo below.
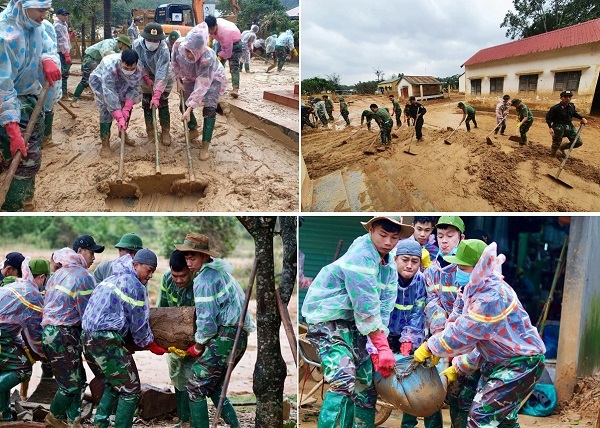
(67, 57)
(127, 109)
(51, 71)
(16, 138)
(385, 361)
(155, 349)
(118, 116)
(155, 99)
(195, 352)
(148, 80)
(405, 348)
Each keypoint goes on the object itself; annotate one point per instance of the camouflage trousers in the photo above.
(281, 54)
(399, 119)
(13, 357)
(501, 389)
(523, 129)
(345, 362)
(180, 370)
(234, 62)
(209, 370)
(63, 348)
(386, 132)
(345, 115)
(564, 130)
(460, 397)
(111, 362)
(88, 64)
(22, 186)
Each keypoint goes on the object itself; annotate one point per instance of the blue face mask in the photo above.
(30, 24)
(462, 277)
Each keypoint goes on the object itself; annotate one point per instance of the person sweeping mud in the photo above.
(133, 32)
(63, 43)
(116, 86)
(230, 47)
(157, 79)
(368, 115)
(283, 46)
(385, 122)
(20, 313)
(329, 107)
(559, 119)
(219, 301)
(55, 93)
(396, 111)
(320, 109)
(488, 330)
(468, 114)
(92, 57)
(416, 111)
(348, 302)
(525, 119)
(119, 307)
(501, 114)
(248, 39)
(67, 295)
(344, 110)
(203, 79)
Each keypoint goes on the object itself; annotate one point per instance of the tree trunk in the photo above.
(93, 30)
(290, 258)
(83, 47)
(270, 369)
(107, 23)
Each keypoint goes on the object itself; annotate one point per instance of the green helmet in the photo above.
(130, 241)
(174, 35)
(452, 220)
(39, 266)
(468, 252)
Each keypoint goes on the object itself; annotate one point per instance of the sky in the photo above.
(352, 38)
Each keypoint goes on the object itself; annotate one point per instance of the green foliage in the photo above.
(223, 232)
(253, 12)
(276, 21)
(450, 80)
(3, 4)
(532, 17)
(366, 88)
(316, 85)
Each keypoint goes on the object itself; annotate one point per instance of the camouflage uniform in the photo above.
(344, 111)
(67, 295)
(329, 108)
(559, 118)
(20, 311)
(398, 112)
(366, 114)
(385, 122)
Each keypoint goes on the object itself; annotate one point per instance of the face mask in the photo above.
(152, 46)
(128, 72)
(31, 24)
(462, 277)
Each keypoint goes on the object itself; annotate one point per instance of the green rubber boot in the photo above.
(60, 404)
(408, 421)
(435, 420)
(48, 120)
(165, 124)
(105, 135)
(364, 418)
(458, 418)
(199, 414)
(227, 411)
(126, 408)
(183, 406)
(337, 410)
(74, 409)
(207, 131)
(64, 88)
(19, 192)
(78, 91)
(106, 407)
(8, 380)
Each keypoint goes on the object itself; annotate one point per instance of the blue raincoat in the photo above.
(55, 92)
(441, 294)
(120, 304)
(408, 317)
(156, 64)
(23, 46)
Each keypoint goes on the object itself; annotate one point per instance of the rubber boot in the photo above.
(48, 120)
(74, 410)
(19, 193)
(364, 418)
(128, 140)
(75, 424)
(8, 380)
(165, 124)
(77, 94)
(106, 407)
(65, 93)
(183, 407)
(227, 411)
(126, 408)
(199, 414)
(234, 91)
(105, 137)
(271, 67)
(408, 421)
(458, 418)
(434, 421)
(207, 131)
(337, 410)
(60, 403)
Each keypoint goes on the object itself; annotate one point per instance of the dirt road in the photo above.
(468, 175)
(252, 167)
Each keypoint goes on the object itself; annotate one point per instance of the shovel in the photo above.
(369, 151)
(487, 138)
(16, 160)
(447, 140)
(409, 144)
(515, 138)
(119, 189)
(555, 177)
(184, 187)
(156, 139)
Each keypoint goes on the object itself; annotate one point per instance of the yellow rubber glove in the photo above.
(422, 354)
(519, 124)
(450, 373)
(29, 356)
(178, 352)
(295, 52)
(220, 59)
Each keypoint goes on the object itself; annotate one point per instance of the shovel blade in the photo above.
(410, 153)
(188, 187)
(449, 128)
(515, 138)
(559, 181)
(124, 190)
(447, 142)
(369, 152)
(489, 141)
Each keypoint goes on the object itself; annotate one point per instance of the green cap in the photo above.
(174, 35)
(468, 252)
(125, 40)
(130, 241)
(452, 220)
(39, 266)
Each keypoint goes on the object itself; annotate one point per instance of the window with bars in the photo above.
(528, 83)
(567, 81)
(476, 87)
(496, 85)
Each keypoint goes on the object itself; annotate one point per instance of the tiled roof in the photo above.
(422, 80)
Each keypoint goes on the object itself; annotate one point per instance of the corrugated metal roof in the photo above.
(579, 34)
(389, 81)
(422, 80)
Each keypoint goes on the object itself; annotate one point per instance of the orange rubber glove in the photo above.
(155, 349)
(195, 352)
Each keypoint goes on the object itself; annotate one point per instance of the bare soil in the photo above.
(468, 175)
(252, 167)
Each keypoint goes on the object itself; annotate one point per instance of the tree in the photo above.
(252, 11)
(107, 21)
(366, 88)
(379, 74)
(316, 85)
(270, 369)
(532, 17)
(334, 80)
(275, 21)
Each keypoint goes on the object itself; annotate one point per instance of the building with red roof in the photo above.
(538, 68)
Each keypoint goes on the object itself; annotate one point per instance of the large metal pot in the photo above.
(415, 388)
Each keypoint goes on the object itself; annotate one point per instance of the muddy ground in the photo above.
(251, 167)
(468, 175)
